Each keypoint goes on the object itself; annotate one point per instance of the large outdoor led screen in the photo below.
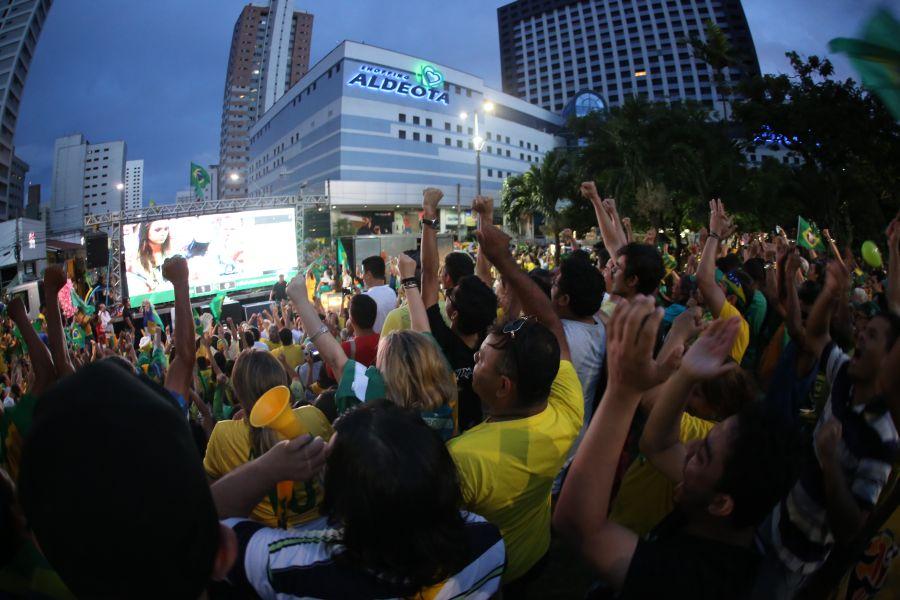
(226, 252)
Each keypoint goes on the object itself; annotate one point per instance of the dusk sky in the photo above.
(152, 72)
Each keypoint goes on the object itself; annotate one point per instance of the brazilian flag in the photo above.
(808, 235)
(876, 57)
(198, 324)
(77, 336)
(215, 306)
(199, 179)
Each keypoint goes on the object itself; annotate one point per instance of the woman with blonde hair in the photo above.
(236, 442)
(409, 369)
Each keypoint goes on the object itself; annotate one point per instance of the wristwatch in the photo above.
(433, 223)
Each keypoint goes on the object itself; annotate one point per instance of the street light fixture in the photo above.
(477, 141)
(234, 176)
(120, 186)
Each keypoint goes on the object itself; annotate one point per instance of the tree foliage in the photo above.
(663, 163)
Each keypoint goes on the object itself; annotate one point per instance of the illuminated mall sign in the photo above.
(426, 84)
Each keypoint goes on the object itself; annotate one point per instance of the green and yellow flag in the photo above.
(808, 235)
(215, 306)
(876, 57)
(199, 180)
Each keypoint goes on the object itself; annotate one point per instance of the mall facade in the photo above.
(371, 128)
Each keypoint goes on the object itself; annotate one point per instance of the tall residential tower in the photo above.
(269, 54)
(134, 185)
(20, 26)
(552, 49)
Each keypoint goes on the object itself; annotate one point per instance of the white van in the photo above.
(32, 295)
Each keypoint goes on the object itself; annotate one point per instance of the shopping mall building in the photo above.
(372, 128)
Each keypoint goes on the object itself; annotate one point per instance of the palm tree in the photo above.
(539, 190)
(717, 52)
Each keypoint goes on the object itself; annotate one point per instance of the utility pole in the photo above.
(18, 277)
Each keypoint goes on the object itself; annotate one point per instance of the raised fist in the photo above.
(589, 191)
(175, 269)
(431, 197)
(493, 242)
(296, 289)
(54, 279)
(483, 205)
(407, 266)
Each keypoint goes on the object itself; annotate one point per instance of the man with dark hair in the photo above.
(727, 481)
(278, 293)
(534, 407)
(363, 346)
(577, 293)
(176, 537)
(638, 270)
(471, 307)
(856, 443)
(292, 353)
(376, 287)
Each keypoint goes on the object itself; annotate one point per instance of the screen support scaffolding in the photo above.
(112, 222)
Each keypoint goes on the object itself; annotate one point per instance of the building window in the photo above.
(459, 129)
(416, 136)
(447, 141)
(490, 172)
(507, 154)
(428, 138)
(459, 143)
(446, 126)
(415, 120)
(427, 122)
(402, 134)
(402, 118)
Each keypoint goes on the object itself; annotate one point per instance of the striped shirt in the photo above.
(301, 563)
(800, 531)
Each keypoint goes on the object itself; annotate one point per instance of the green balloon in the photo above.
(871, 254)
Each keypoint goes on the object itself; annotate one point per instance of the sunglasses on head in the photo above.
(513, 327)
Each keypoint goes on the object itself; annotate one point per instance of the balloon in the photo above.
(871, 254)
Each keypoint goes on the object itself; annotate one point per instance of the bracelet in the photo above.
(406, 281)
(322, 329)
(714, 236)
(433, 223)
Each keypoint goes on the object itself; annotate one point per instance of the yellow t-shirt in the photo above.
(293, 354)
(506, 470)
(272, 345)
(743, 337)
(229, 448)
(646, 494)
(398, 319)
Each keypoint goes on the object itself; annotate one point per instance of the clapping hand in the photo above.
(706, 357)
(631, 337)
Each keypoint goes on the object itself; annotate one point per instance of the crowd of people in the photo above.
(714, 420)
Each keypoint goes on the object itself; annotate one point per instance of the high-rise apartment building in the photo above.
(552, 49)
(17, 174)
(134, 185)
(269, 54)
(20, 27)
(87, 179)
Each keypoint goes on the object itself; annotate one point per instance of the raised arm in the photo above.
(608, 229)
(180, 374)
(495, 244)
(818, 324)
(418, 318)
(484, 208)
(55, 280)
(581, 515)
(41, 361)
(661, 442)
(430, 199)
(318, 332)
(719, 228)
(239, 491)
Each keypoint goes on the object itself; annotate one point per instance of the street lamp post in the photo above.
(478, 141)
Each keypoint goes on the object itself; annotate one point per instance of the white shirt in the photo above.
(386, 299)
(260, 346)
(8, 402)
(104, 320)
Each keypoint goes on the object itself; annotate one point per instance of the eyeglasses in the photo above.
(513, 327)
